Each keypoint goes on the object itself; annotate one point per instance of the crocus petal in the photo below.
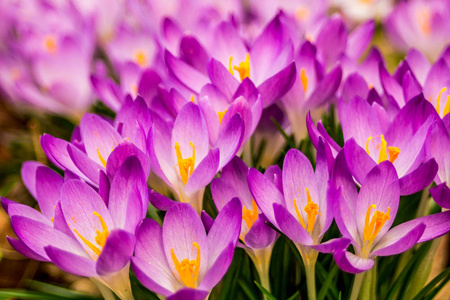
(265, 193)
(291, 226)
(116, 253)
(86, 165)
(276, 86)
(122, 152)
(23, 249)
(398, 240)
(390, 86)
(225, 230)
(418, 179)
(99, 137)
(351, 263)
(332, 245)
(206, 220)
(204, 172)
(159, 201)
(419, 64)
(28, 172)
(151, 260)
(436, 79)
(71, 262)
(332, 40)
(187, 293)
(325, 89)
(359, 39)
(193, 53)
(128, 200)
(230, 139)
(37, 235)
(411, 87)
(188, 75)
(260, 235)
(441, 195)
(358, 161)
(275, 175)
(181, 228)
(355, 85)
(219, 267)
(16, 209)
(222, 78)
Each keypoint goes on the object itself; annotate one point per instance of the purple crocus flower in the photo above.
(227, 61)
(78, 230)
(303, 211)
(97, 142)
(181, 155)
(259, 238)
(420, 24)
(179, 261)
(365, 218)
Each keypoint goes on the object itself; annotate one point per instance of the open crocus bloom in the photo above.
(365, 218)
(97, 142)
(78, 231)
(304, 210)
(179, 261)
(372, 139)
(181, 155)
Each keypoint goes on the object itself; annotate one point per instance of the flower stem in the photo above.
(357, 286)
(310, 268)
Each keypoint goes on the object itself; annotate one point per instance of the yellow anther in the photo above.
(100, 238)
(438, 100)
(221, 114)
(383, 154)
(134, 88)
(304, 79)
(53, 219)
(140, 58)
(186, 165)
(243, 68)
(103, 161)
(188, 269)
(312, 210)
(50, 44)
(447, 107)
(373, 226)
(250, 216)
(192, 98)
(393, 153)
(367, 144)
(299, 215)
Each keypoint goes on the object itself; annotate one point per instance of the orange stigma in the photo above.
(50, 44)
(100, 238)
(304, 79)
(373, 226)
(188, 269)
(393, 152)
(186, 165)
(250, 216)
(311, 209)
(243, 68)
(221, 114)
(140, 58)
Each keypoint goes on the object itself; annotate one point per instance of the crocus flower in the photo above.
(227, 61)
(97, 142)
(179, 261)
(77, 230)
(359, 11)
(421, 25)
(365, 218)
(259, 238)
(303, 211)
(181, 155)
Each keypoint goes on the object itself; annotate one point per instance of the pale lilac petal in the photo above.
(70, 262)
(351, 263)
(290, 226)
(218, 268)
(398, 240)
(151, 277)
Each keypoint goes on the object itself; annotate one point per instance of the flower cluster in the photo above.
(207, 95)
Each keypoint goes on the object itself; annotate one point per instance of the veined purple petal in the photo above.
(99, 137)
(159, 201)
(87, 166)
(411, 87)
(71, 262)
(230, 139)
(274, 174)
(332, 40)
(276, 86)
(206, 220)
(390, 86)
(151, 259)
(17, 209)
(187, 293)
(218, 268)
(398, 240)
(23, 249)
(437, 78)
(326, 88)
(28, 172)
(204, 172)
(332, 245)
(192, 52)
(418, 179)
(260, 235)
(290, 226)
(441, 195)
(181, 228)
(351, 263)
(116, 253)
(265, 193)
(358, 161)
(419, 64)
(48, 189)
(359, 39)
(222, 78)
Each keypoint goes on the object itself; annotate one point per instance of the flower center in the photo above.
(394, 152)
(243, 68)
(50, 44)
(373, 226)
(311, 209)
(304, 79)
(249, 216)
(188, 269)
(185, 165)
(140, 58)
(100, 238)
